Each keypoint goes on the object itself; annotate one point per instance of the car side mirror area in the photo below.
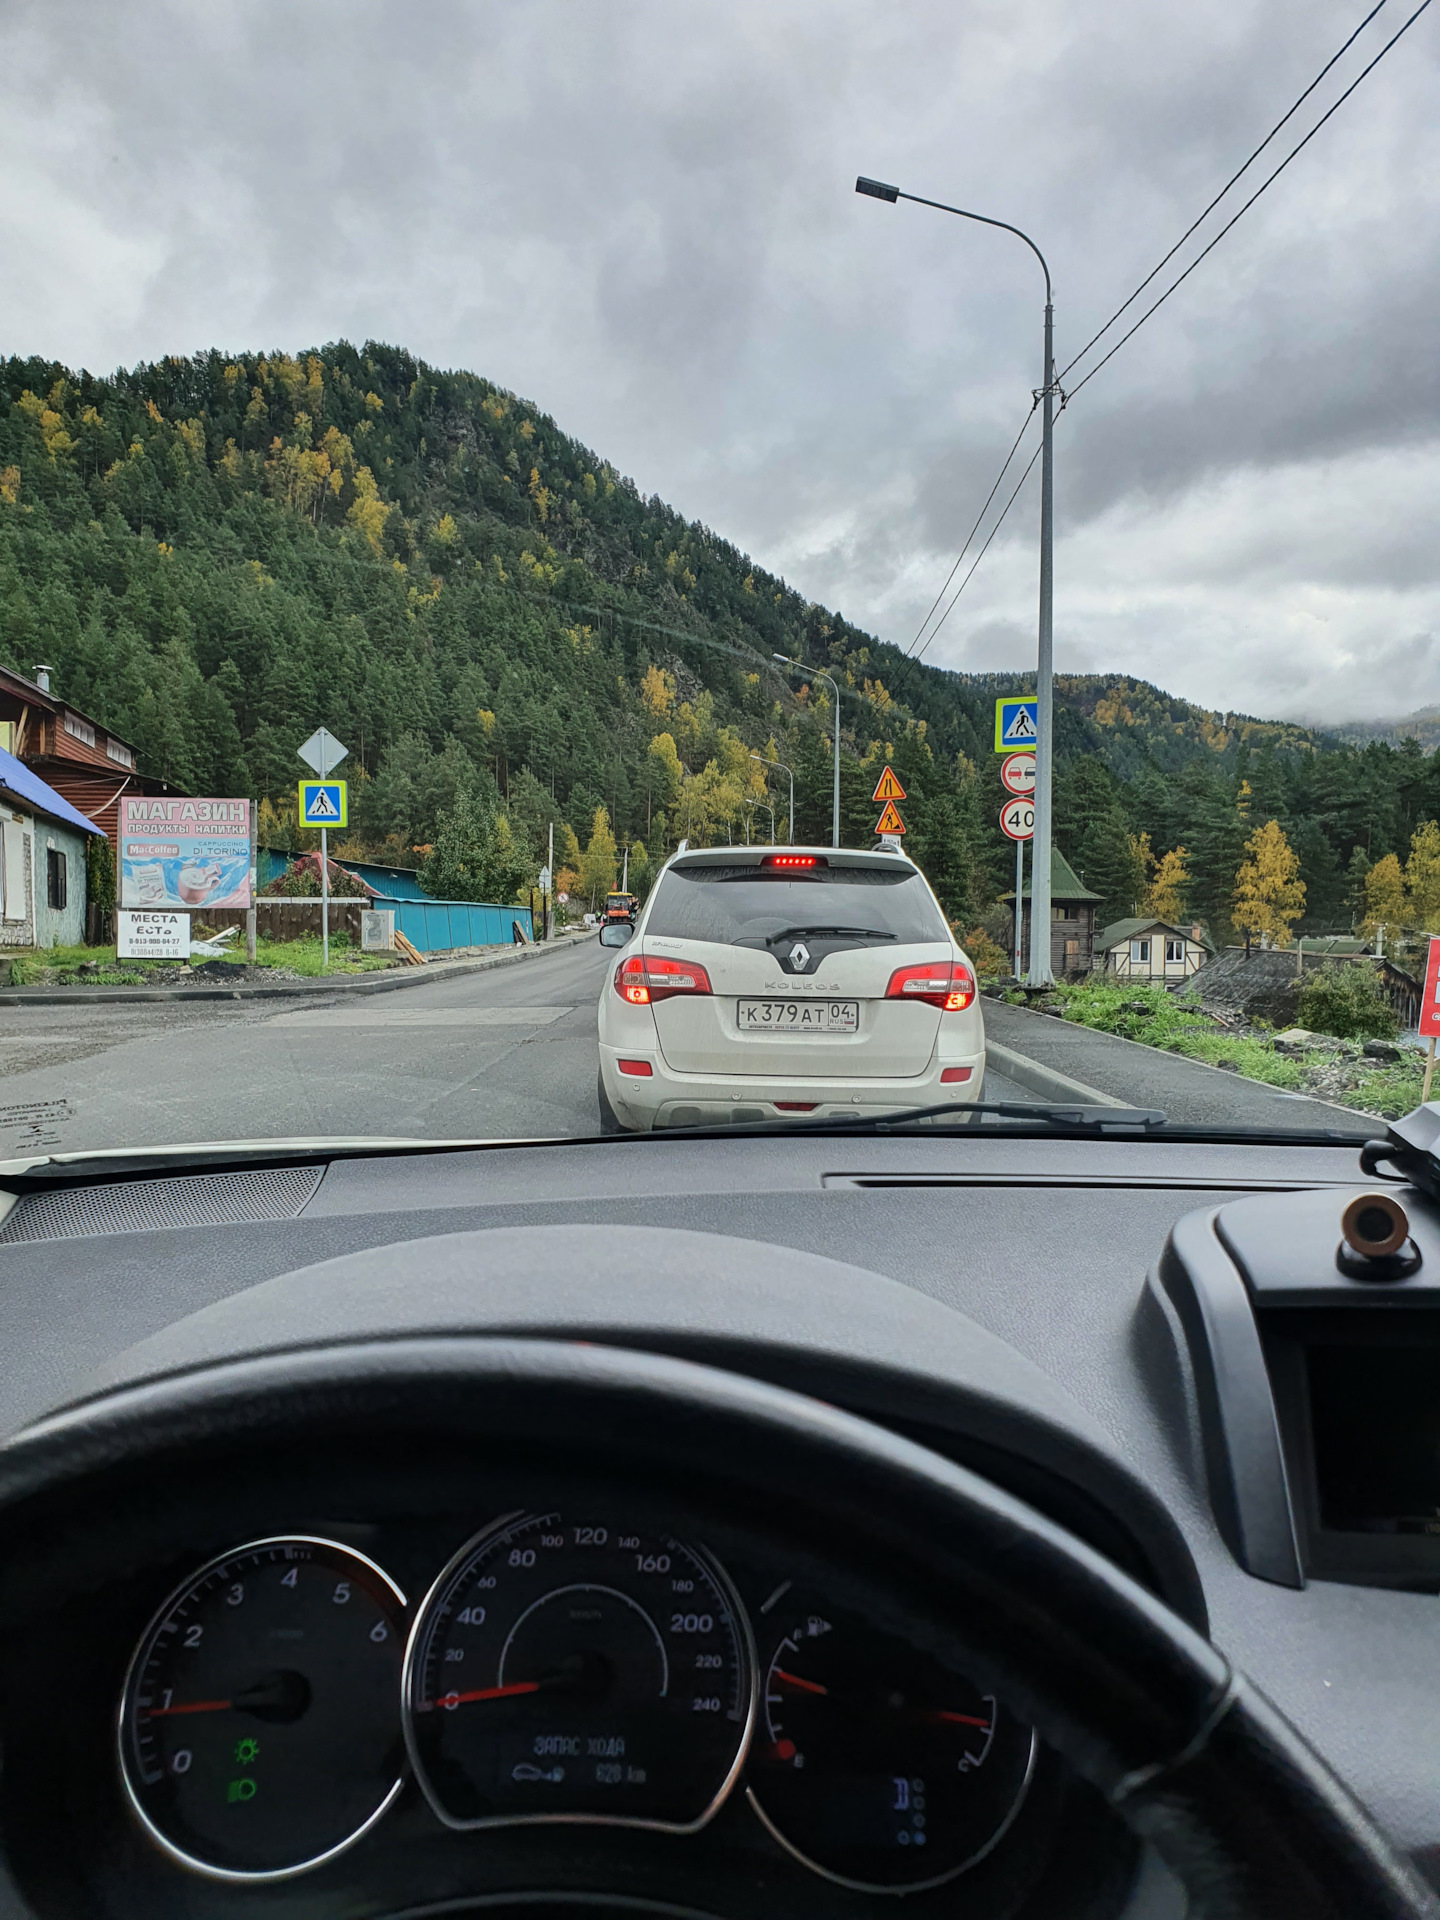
(618, 933)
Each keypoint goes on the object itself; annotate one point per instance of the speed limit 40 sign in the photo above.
(1017, 819)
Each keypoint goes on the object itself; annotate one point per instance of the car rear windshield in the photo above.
(740, 905)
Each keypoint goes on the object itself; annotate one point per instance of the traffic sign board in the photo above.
(1017, 774)
(1016, 725)
(889, 821)
(889, 788)
(323, 803)
(1017, 820)
(322, 751)
(1429, 1020)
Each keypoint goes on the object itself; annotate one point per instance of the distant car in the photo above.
(763, 983)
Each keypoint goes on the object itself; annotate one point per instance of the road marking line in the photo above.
(387, 1016)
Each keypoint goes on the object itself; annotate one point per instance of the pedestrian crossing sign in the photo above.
(1016, 725)
(323, 803)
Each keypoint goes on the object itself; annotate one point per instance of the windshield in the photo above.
(514, 678)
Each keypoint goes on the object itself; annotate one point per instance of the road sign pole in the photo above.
(1040, 974)
(1019, 907)
(252, 913)
(324, 900)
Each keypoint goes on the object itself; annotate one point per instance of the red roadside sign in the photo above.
(1017, 819)
(1429, 1022)
(1017, 774)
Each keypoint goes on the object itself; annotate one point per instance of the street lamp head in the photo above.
(877, 189)
(783, 658)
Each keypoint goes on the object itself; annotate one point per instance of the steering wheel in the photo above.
(1188, 1751)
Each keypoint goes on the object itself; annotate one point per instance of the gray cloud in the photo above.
(642, 218)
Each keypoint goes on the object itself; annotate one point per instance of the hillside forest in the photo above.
(216, 555)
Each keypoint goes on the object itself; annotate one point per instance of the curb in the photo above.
(1283, 1093)
(1045, 1081)
(287, 990)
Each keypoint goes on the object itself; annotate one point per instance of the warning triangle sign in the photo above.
(889, 787)
(322, 805)
(889, 821)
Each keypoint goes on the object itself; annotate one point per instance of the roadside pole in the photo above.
(1019, 905)
(324, 899)
(251, 916)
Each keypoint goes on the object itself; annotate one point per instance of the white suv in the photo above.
(767, 982)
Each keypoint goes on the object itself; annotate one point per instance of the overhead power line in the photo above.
(1024, 427)
(1267, 182)
(980, 555)
(1199, 219)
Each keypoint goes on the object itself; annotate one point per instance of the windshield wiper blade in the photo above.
(820, 933)
(1068, 1119)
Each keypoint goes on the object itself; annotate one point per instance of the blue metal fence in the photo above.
(432, 926)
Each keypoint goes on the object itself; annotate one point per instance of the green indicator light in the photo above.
(246, 1751)
(240, 1790)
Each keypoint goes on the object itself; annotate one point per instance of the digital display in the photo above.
(1375, 1420)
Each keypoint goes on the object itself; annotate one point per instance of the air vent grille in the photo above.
(143, 1206)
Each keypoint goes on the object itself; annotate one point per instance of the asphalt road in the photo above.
(506, 1053)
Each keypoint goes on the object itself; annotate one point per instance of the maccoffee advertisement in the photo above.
(190, 854)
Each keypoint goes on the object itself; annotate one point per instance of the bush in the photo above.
(989, 961)
(1348, 1002)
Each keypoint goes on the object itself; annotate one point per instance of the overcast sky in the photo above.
(641, 216)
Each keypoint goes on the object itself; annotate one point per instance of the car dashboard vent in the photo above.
(144, 1206)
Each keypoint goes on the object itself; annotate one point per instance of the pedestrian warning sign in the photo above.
(323, 803)
(889, 821)
(1016, 725)
(889, 788)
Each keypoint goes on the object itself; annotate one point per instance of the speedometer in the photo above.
(568, 1668)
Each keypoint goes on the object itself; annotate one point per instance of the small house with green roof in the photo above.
(1145, 948)
(1072, 920)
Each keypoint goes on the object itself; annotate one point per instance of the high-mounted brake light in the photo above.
(794, 860)
(643, 979)
(947, 984)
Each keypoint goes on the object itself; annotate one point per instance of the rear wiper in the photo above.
(820, 933)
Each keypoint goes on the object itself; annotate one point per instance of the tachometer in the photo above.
(568, 1668)
(876, 1765)
(260, 1725)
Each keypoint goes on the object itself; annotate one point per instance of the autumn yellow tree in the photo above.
(1165, 895)
(657, 691)
(597, 863)
(1385, 904)
(1422, 878)
(1269, 893)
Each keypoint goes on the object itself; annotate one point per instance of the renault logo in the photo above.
(799, 957)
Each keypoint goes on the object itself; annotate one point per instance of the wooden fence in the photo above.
(285, 919)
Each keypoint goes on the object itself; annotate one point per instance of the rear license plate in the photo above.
(799, 1016)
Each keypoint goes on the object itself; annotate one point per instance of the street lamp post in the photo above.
(770, 810)
(816, 674)
(1039, 974)
(785, 770)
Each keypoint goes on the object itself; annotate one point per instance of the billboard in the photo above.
(185, 854)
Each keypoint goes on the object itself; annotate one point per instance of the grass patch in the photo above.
(1157, 1019)
(61, 966)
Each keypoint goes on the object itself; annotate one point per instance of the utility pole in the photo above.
(1039, 974)
(816, 674)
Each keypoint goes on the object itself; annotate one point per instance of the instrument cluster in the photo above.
(564, 1668)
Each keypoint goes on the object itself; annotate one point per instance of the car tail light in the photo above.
(949, 1076)
(644, 978)
(794, 860)
(947, 984)
(642, 1070)
(795, 1106)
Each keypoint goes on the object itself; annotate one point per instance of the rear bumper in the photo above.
(665, 1098)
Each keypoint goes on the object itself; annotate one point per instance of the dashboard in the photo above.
(364, 1668)
(388, 1706)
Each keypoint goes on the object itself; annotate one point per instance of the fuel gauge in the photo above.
(877, 1766)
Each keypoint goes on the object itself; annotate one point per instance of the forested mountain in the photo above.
(217, 555)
